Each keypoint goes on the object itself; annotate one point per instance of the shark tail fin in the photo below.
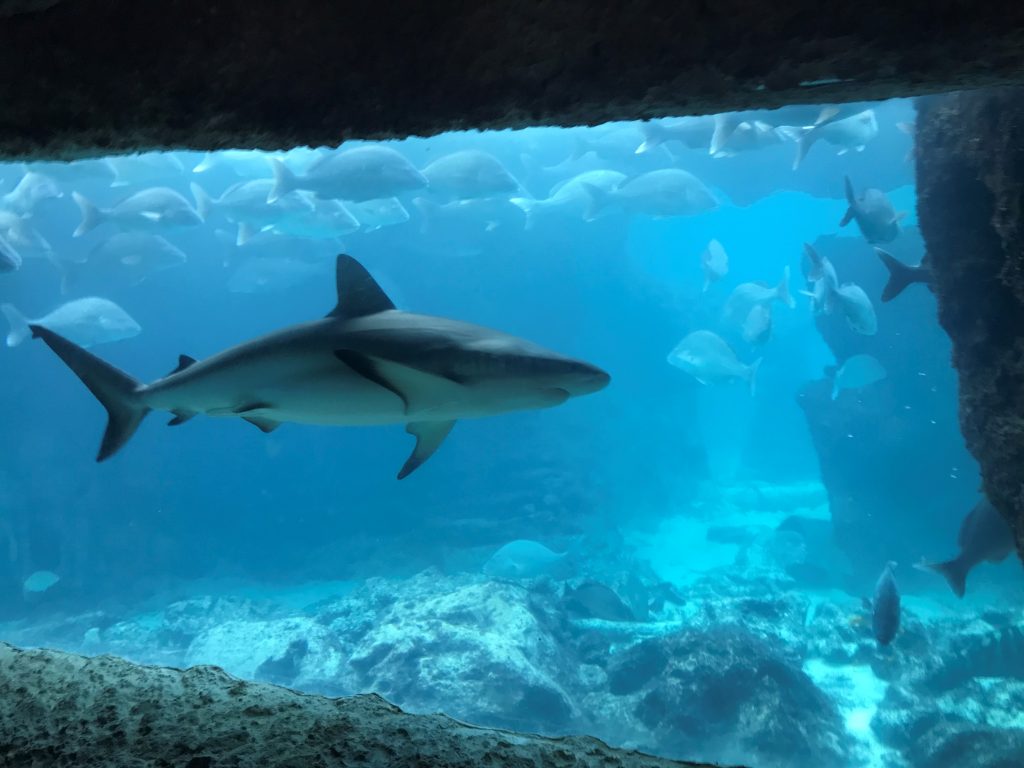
(953, 571)
(900, 275)
(782, 290)
(284, 181)
(91, 215)
(752, 370)
(851, 201)
(117, 391)
(204, 203)
(19, 325)
(598, 200)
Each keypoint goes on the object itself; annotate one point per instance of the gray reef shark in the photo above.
(364, 363)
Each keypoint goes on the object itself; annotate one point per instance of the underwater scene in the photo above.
(645, 430)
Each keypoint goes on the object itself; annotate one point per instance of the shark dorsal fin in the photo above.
(358, 292)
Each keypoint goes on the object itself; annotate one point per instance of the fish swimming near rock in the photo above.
(86, 322)
(527, 559)
(155, 208)
(715, 263)
(746, 296)
(821, 274)
(33, 188)
(362, 173)
(757, 328)
(570, 199)
(848, 133)
(663, 193)
(747, 136)
(691, 132)
(857, 372)
(365, 363)
(39, 581)
(885, 608)
(710, 360)
(857, 308)
(985, 536)
(594, 600)
(901, 275)
(877, 220)
(469, 174)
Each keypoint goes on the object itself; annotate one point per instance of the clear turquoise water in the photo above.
(213, 543)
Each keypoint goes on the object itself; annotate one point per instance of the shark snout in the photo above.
(585, 379)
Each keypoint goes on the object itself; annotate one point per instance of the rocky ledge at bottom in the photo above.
(59, 709)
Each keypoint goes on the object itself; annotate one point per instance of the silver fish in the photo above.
(710, 360)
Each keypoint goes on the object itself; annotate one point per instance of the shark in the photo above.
(365, 363)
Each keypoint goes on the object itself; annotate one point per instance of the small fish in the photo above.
(691, 132)
(715, 263)
(154, 208)
(31, 190)
(877, 220)
(747, 295)
(366, 172)
(10, 259)
(849, 133)
(86, 322)
(20, 233)
(594, 600)
(757, 328)
(821, 274)
(132, 255)
(856, 307)
(710, 360)
(662, 193)
(377, 214)
(526, 559)
(901, 275)
(469, 174)
(40, 581)
(857, 372)
(985, 536)
(885, 608)
(570, 199)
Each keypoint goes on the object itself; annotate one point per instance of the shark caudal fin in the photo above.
(953, 571)
(117, 391)
(900, 275)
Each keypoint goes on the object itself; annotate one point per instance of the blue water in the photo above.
(766, 517)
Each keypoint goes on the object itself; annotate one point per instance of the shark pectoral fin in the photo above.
(184, 361)
(180, 417)
(367, 368)
(264, 425)
(429, 435)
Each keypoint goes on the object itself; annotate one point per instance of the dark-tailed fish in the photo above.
(885, 608)
(31, 190)
(849, 133)
(715, 263)
(366, 172)
(144, 169)
(39, 582)
(365, 363)
(594, 600)
(856, 307)
(710, 360)
(877, 220)
(133, 256)
(246, 203)
(662, 193)
(377, 214)
(570, 200)
(901, 275)
(158, 208)
(10, 259)
(746, 296)
(86, 322)
(757, 328)
(20, 233)
(527, 559)
(469, 174)
(274, 274)
(857, 372)
(985, 536)
(821, 275)
(691, 132)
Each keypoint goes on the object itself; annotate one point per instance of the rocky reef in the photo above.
(93, 76)
(970, 175)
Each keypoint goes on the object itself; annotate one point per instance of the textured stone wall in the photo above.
(93, 76)
(66, 711)
(970, 170)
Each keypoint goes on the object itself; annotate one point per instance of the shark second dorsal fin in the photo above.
(184, 361)
(358, 292)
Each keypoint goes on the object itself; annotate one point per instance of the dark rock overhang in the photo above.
(100, 76)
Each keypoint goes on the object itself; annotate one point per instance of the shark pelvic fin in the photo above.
(429, 436)
(358, 293)
(264, 425)
(180, 417)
